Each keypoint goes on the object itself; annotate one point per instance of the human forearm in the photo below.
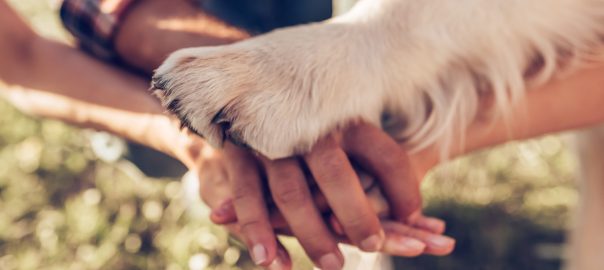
(155, 28)
(60, 82)
(135, 126)
(60, 69)
(568, 103)
(572, 102)
(31, 61)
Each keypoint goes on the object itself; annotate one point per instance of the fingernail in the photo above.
(441, 241)
(412, 244)
(373, 243)
(404, 246)
(435, 225)
(259, 254)
(280, 261)
(222, 210)
(330, 262)
(277, 264)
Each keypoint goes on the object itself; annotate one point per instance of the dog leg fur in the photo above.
(417, 68)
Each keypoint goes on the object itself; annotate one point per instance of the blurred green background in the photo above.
(74, 199)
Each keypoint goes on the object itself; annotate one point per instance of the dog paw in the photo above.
(277, 93)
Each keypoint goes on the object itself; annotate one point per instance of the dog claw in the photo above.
(237, 139)
(220, 118)
(158, 83)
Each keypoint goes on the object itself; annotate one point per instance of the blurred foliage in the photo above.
(66, 205)
(69, 200)
(507, 207)
(61, 207)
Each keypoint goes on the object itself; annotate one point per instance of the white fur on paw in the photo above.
(423, 64)
(277, 94)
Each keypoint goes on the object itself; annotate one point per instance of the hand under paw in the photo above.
(335, 193)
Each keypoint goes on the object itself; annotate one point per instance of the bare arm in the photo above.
(165, 26)
(572, 102)
(568, 103)
(61, 82)
(155, 28)
(78, 89)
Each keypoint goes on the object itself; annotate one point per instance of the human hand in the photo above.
(353, 214)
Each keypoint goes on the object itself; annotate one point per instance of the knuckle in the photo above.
(316, 246)
(323, 155)
(329, 167)
(392, 159)
(285, 171)
(293, 195)
(361, 225)
(409, 205)
(414, 233)
(393, 165)
(330, 159)
(251, 226)
(401, 230)
(414, 202)
(243, 191)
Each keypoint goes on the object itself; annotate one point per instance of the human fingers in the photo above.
(407, 241)
(436, 244)
(224, 213)
(282, 260)
(431, 224)
(292, 196)
(377, 153)
(249, 204)
(396, 243)
(340, 185)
